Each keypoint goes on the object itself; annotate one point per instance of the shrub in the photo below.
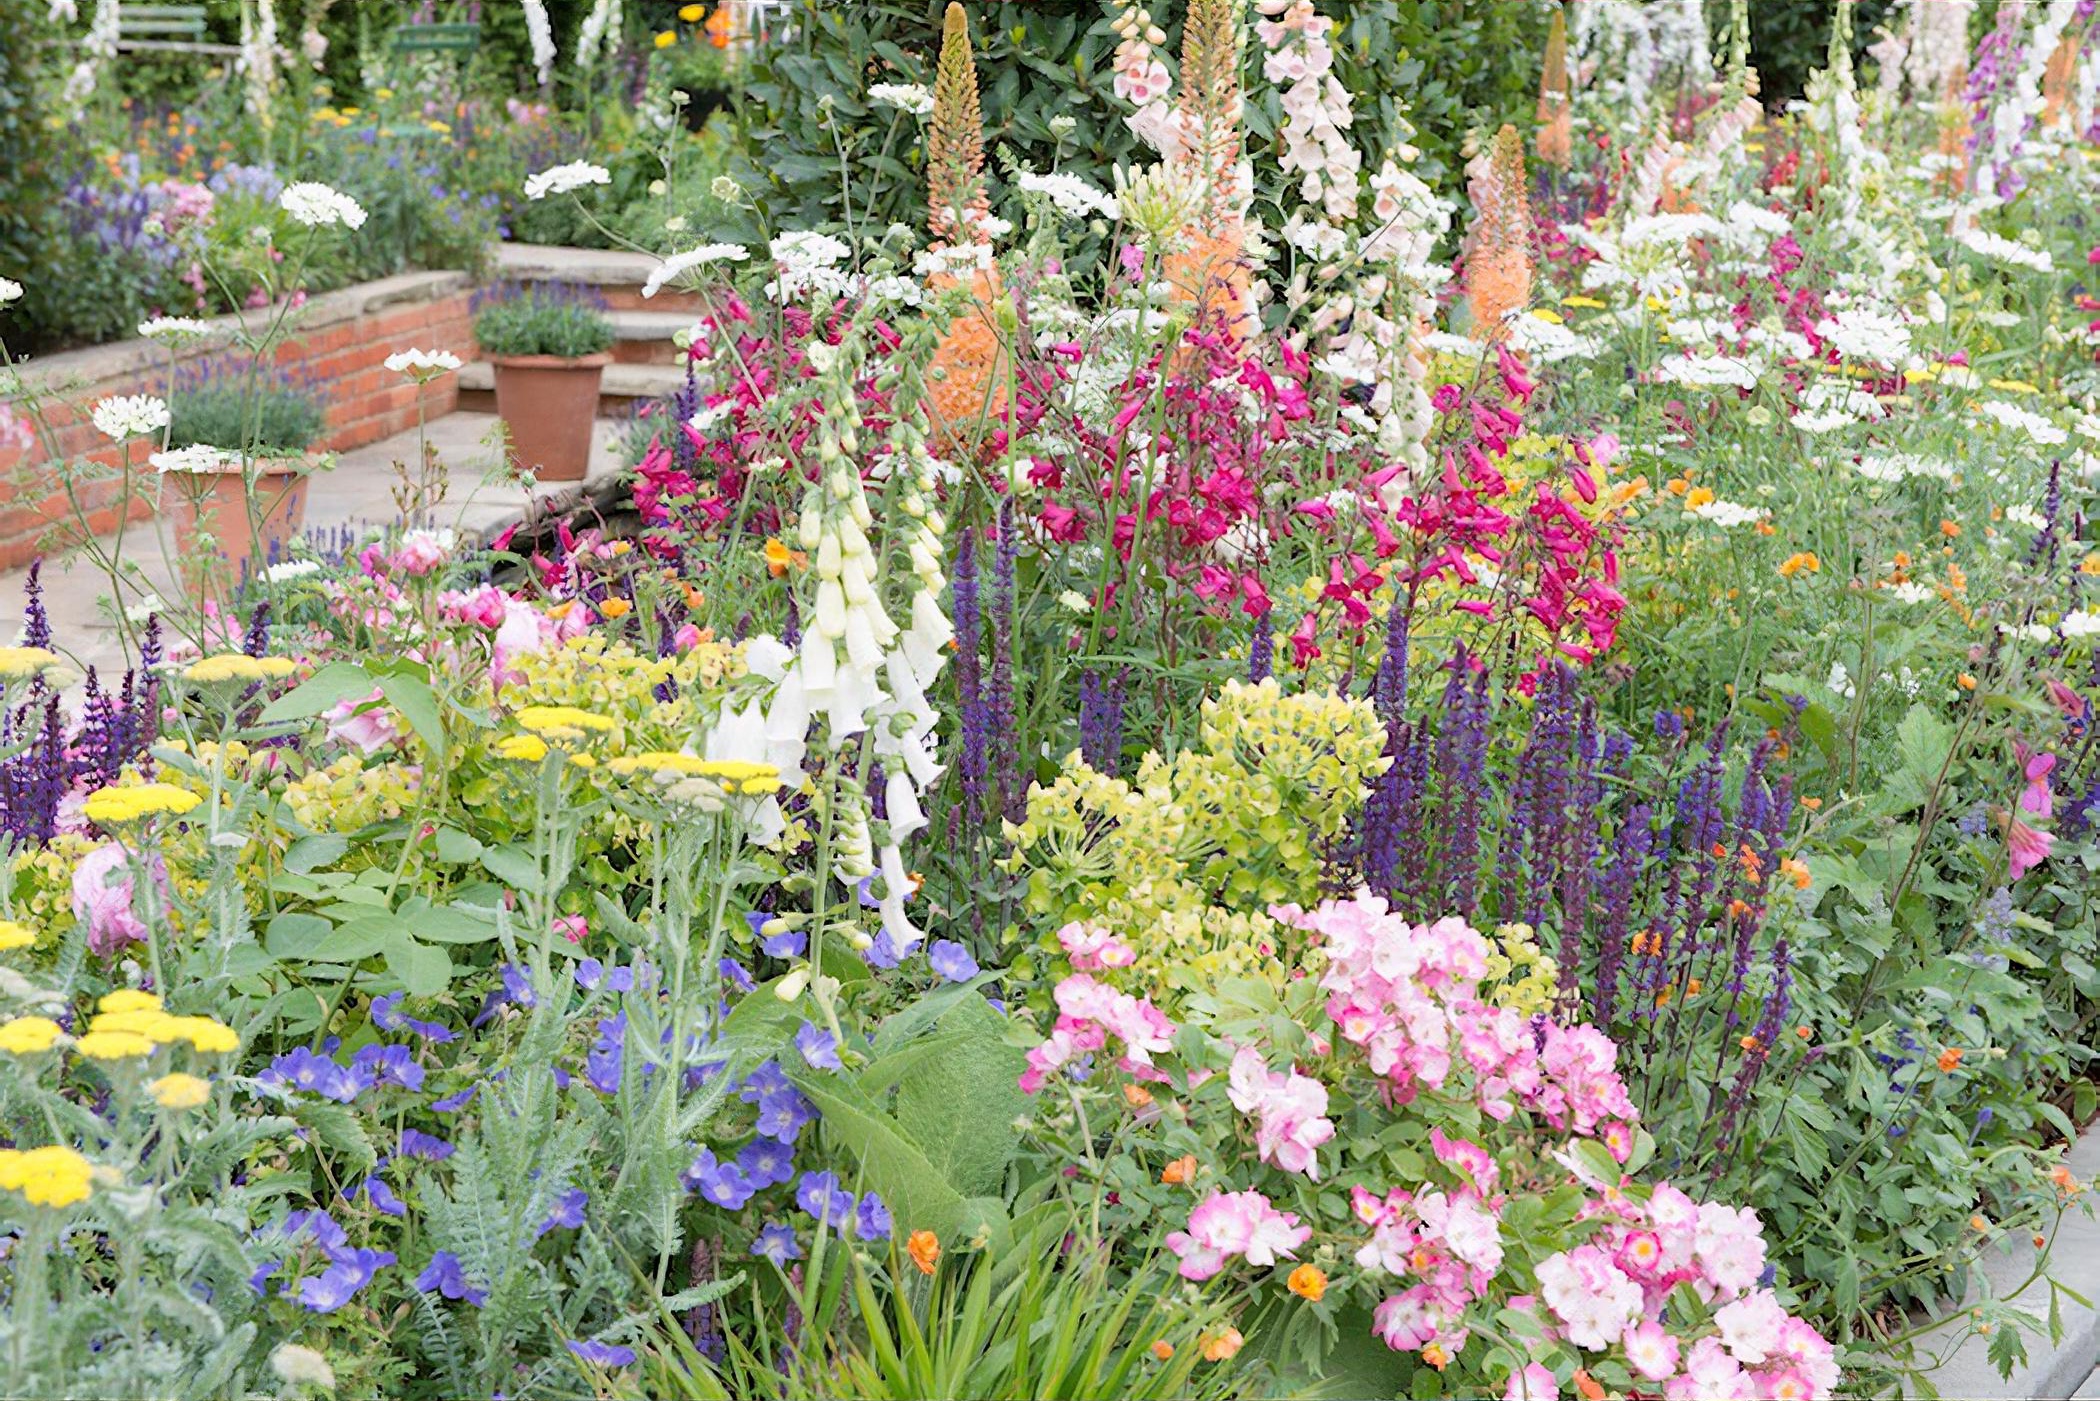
(238, 407)
(542, 320)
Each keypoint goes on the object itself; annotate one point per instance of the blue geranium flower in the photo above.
(446, 1276)
(776, 1242)
(951, 960)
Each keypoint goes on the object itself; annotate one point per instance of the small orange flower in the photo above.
(1977, 1223)
(1692, 986)
(2040, 1240)
(780, 559)
(1220, 1347)
(1950, 529)
(2060, 1177)
(1136, 1096)
(924, 1247)
(1796, 870)
(1812, 804)
(615, 608)
(1308, 1282)
(1748, 1043)
(1965, 681)
(1180, 1172)
(1435, 1356)
(1698, 496)
(1588, 1386)
(1162, 1349)
(1806, 1033)
(1903, 559)
(1950, 1058)
(1800, 562)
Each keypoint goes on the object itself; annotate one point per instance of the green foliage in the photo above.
(29, 238)
(535, 322)
(265, 416)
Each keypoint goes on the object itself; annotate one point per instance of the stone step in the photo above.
(644, 337)
(616, 274)
(622, 382)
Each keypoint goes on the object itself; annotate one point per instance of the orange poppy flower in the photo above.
(924, 1247)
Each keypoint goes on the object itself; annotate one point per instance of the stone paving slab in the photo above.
(357, 492)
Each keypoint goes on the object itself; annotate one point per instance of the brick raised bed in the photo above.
(338, 341)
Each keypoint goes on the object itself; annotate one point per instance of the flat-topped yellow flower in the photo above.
(528, 749)
(28, 1036)
(156, 1026)
(179, 1091)
(133, 802)
(15, 936)
(563, 721)
(113, 1045)
(129, 1000)
(660, 761)
(733, 775)
(237, 666)
(54, 1176)
(744, 775)
(204, 1034)
(21, 663)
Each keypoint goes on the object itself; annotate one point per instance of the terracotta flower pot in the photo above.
(550, 404)
(217, 504)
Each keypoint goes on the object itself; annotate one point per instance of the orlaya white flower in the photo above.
(173, 328)
(914, 98)
(678, 264)
(422, 366)
(130, 416)
(319, 206)
(10, 290)
(563, 179)
(198, 459)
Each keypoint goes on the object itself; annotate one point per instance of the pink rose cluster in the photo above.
(1092, 949)
(1235, 1225)
(1407, 995)
(1291, 1108)
(1088, 1014)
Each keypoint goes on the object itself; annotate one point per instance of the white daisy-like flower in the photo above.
(1908, 592)
(319, 206)
(174, 328)
(199, 459)
(10, 290)
(914, 98)
(1727, 514)
(422, 366)
(1070, 194)
(679, 264)
(564, 178)
(291, 569)
(130, 416)
(2083, 623)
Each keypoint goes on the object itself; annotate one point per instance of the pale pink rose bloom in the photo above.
(103, 897)
(370, 728)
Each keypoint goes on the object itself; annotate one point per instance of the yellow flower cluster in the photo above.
(54, 1176)
(238, 667)
(23, 663)
(41, 881)
(346, 795)
(28, 1036)
(733, 775)
(131, 1023)
(134, 802)
(609, 678)
(15, 936)
(1519, 974)
(564, 723)
(179, 1091)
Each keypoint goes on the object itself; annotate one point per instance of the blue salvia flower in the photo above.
(1101, 721)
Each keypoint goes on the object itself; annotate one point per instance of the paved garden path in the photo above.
(358, 491)
(2091, 1390)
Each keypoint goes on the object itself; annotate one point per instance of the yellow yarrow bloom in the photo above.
(179, 1091)
(113, 1045)
(129, 1000)
(563, 721)
(54, 1176)
(27, 1036)
(204, 1034)
(666, 39)
(692, 14)
(238, 666)
(21, 663)
(131, 802)
(15, 936)
(529, 748)
(658, 761)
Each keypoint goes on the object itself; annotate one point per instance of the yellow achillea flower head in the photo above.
(734, 775)
(179, 1091)
(21, 663)
(15, 936)
(27, 1036)
(54, 1176)
(529, 748)
(563, 721)
(132, 802)
(238, 666)
(129, 1000)
(204, 1034)
(113, 1045)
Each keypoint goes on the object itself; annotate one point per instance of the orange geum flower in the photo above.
(1180, 1172)
(1136, 1096)
(614, 608)
(1800, 562)
(780, 559)
(924, 1247)
(1435, 1356)
(2060, 1177)
(1220, 1347)
(1805, 1032)
(1698, 496)
(1950, 529)
(1950, 1058)
(1162, 1349)
(1588, 1385)
(1308, 1282)
(1797, 870)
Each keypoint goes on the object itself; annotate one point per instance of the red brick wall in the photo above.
(343, 354)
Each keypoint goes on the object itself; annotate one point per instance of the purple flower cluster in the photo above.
(345, 1269)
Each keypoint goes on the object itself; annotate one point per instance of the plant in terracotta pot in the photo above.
(240, 439)
(550, 344)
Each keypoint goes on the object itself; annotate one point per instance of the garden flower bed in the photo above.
(1253, 771)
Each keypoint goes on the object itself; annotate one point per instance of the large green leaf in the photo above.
(919, 1198)
(960, 1107)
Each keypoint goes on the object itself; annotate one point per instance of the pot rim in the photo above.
(596, 361)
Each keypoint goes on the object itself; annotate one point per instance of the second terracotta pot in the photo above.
(550, 404)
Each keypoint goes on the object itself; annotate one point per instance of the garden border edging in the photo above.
(2051, 1372)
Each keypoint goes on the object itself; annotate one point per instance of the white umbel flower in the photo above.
(562, 179)
(174, 328)
(914, 98)
(422, 366)
(198, 460)
(1070, 194)
(319, 206)
(10, 291)
(678, 264)
(130, 416)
